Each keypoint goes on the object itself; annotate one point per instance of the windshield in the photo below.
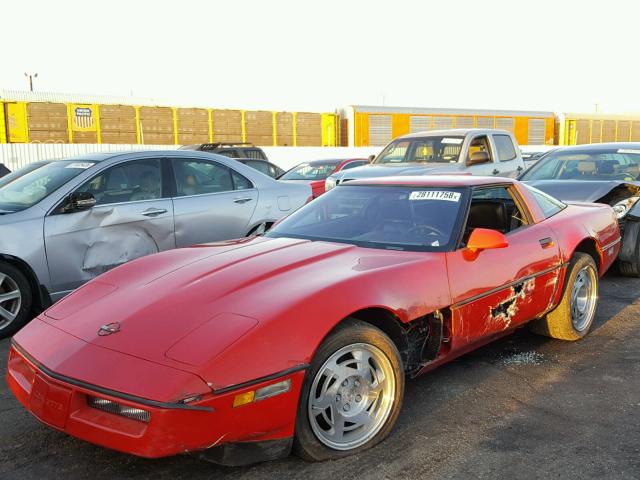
(614, 164)
(310, 171)
(422, 150)
(383, 216)
(10, 177)
(29, 188)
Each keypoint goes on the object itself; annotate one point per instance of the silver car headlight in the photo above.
(622, 207)
(329, 183)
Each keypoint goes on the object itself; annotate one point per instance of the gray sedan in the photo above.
(67, 221)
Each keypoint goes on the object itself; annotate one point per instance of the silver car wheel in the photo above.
(584, 297)
(10, 300)
(352, 396)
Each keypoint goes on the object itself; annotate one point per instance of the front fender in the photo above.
(22, 242)
(288, 336)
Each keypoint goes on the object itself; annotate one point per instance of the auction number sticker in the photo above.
(82, 165)
(451, 141)
(629, 150)
(435, 195)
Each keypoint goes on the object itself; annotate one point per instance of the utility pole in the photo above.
(31, 77)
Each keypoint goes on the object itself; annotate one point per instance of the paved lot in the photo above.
(523, 407)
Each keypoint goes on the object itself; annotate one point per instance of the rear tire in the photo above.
(16, 299)
(573, 317)
(346, 405)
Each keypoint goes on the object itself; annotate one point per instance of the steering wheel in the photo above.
(425, 230)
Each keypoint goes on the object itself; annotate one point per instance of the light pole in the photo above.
(31, 77)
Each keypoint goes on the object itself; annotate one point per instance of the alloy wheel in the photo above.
(352, 396)
(584, 297)
(10, 300)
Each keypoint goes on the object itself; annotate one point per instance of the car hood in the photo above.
(164, 304)
(578, 190)
(373, 170)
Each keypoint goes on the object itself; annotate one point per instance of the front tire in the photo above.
(573, 317)
(352, 393)
(631, 250)
(16, 299)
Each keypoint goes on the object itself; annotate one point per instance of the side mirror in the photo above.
(79, 201)
(371, 158)
(478, 157)
(485, 239)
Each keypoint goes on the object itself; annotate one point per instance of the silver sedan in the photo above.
(64, 222)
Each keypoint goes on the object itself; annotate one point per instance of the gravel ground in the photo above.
(522, 407)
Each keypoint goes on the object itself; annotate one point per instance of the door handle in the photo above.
(496, 171)
(154, 212)
(546, 242)
(242, 199)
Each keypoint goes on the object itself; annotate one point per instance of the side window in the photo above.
(549, 205)
(479, 144)
(127, 182)
(504, 147)
(197, 177)
(228, 153)
(253, 153)
(240, 182)
(262, 167)
(273, 172)
(494, 208)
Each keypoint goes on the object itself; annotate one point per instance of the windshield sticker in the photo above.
(83, 165)
(452, 141)
(628, 150)
(435, 195)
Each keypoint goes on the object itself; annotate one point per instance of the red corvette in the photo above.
(316, 172)
(241, 350)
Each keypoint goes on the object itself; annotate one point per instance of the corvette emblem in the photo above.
(108, 329)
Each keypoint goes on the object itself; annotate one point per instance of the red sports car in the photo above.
(303, 337)
(316, 172)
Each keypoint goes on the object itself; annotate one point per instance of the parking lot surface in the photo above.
(522, 407)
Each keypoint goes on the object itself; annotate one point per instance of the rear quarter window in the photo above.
(549, 205)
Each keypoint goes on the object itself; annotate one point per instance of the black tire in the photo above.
(630, 250)
(559, 323)
(351, 332)
(12, 277)
(629, 269)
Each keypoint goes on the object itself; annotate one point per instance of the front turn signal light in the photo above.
(262, 393)
(243, 398)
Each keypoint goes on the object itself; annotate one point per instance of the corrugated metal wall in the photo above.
(63, 118)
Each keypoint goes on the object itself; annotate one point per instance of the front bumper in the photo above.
(210, 421)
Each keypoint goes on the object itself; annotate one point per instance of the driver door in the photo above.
(496, 290)
(481, 143)
(132, 217)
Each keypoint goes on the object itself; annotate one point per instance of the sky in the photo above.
(562, 55)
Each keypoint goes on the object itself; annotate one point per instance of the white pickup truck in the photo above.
(473, 150)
